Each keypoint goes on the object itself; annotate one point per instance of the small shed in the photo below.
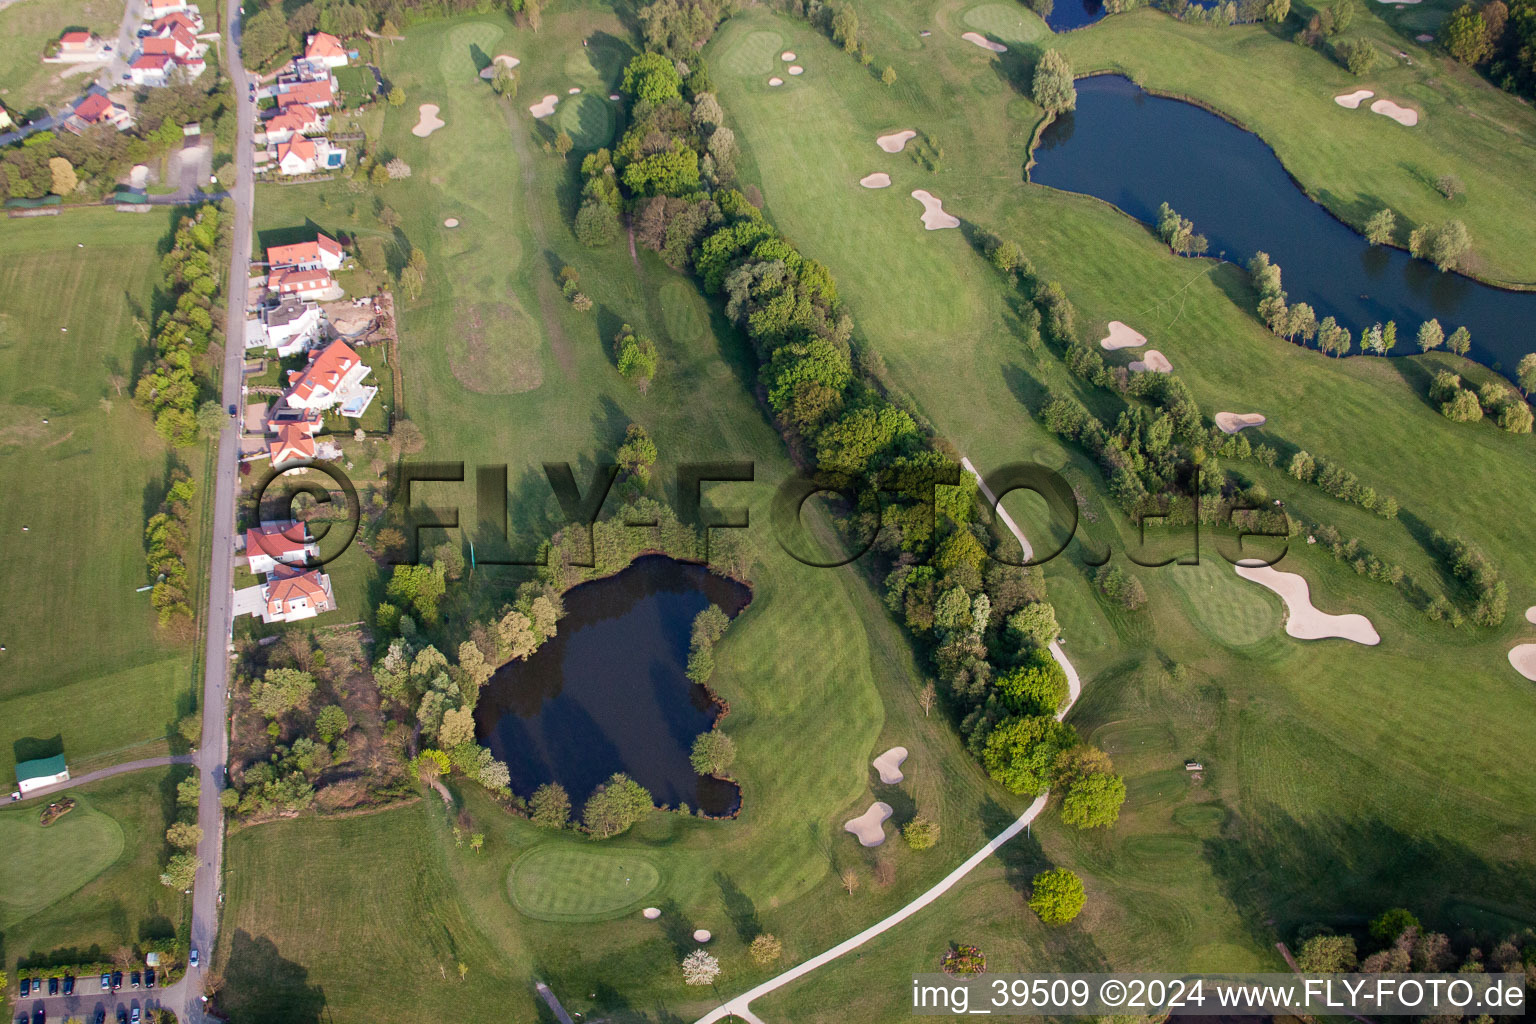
(45, 771)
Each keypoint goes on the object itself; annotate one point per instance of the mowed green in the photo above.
(818, 678)
(27, 85)
(1328, 812)
(80, 487)
(90, 882)
(570, 882)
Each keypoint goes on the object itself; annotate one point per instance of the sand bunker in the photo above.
(1303, 621)
(506, 59)
(1232, 422)
(888, 765)
(1402, 115)
(775, 81)
(1353, 99)
(1530, 614)
(787, 55)
(573, 90)
(1523, 657)
(877, 180)
(896, 141)
(701, 935)
(1152, 360)
(545, 106)
(614, 96)
(1424, 37)
(870, 826)
(796, 69)
(934, 217)
(451, 222)
(1121, 336)
(428, 122)
(651, 913)
(983, 42)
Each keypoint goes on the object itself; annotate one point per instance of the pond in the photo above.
(1069, 14)
(1137, 151)
(609, 693)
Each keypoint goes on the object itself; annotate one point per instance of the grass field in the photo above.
(83, 484)
(1339, 779)
(27, 85)
(89, 884)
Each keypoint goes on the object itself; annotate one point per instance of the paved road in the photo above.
(185, 997)
(107, 773)
(741, 1005)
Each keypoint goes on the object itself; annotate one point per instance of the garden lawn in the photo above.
(1340, 779)
(84, 661)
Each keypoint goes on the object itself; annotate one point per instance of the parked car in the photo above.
(106, 982)
(122, 1016)
(149, 978)
(53, 986)
(135, 1017)
(39, 1016)
(26, 987)
(117, 980)
(133, 979)
(101, 1015)
(193, 959)
(127, 77)
(69, 984)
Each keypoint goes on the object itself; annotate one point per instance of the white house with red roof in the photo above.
(295, 119)
(158, 69)
(176, 42)
(190, 20)
(313, 88)
(159, 8)
(334, 377)
(302, 155)
(322, 48)
(79, 47)
(274, 544)
(304, 270)
(324, 252)
(289, 595)
(97, 108)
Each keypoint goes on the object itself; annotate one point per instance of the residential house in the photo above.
(175, 42)
(324, 49)
(274, 544)
(296, 119)
(324, 252)
(317, 91)
(154, 9)
(45, 771)
(334, 377)
(301, 155)
(98, 108)
(292, 443)
(290, 327)
(80, 47)
(315, 285)
(292, 595)
(5, 119)
(189, 20)
(155, 70)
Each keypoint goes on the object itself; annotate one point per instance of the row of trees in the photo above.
(165, 550)
(1400, 944)
(612, 809)
(1464, 405)
(1498, 38)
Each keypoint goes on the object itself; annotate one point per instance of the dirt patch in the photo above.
(495, 350)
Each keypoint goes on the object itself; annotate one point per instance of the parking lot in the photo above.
(90, 1001)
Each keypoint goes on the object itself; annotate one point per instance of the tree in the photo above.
(505, 82)
(476, 841)
(700, 968)
(1465, 36)
(184, 835)
(63, 173)
(210, 418)
(713, 753)
(1460, 341)
(265, 36)
(1515, 417)
(653, 78)
(1446, 245)
(1450, 186)
(1332, 338)
(1430, 335)
(1390, 924)
(1277, 11)
(281, 690)
(1056, 896)
(1020, 752)
(888, 76)
(927, 697)
(1052, 87)
(1039, 686)
(921, 833)
(550, 806)
(638, 453)
(1358, 55)
(597, 223)
(180, 871)
(397, 97)
(1094, 801)
(397, 169)
(615, 806)
(1327, 954)
(1034, 624)
(458, 727)
(845, 28)
(564, 143)
(1381, 226)
(379, 176)
(1120, 587)
(1525, 373)
(849, 880)
(765, 949)
(1463, 407)
(1179, 232)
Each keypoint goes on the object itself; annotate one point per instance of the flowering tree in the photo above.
(699, 968)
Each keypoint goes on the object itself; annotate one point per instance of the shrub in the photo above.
(920, 833)
(1056, 896)
(1120, 587)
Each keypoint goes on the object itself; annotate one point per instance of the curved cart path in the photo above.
(740, 1005)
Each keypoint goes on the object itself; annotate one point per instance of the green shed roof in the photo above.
(42, 768)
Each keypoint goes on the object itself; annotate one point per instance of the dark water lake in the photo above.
(609, 693)
(1070, 14)
(1137, 151)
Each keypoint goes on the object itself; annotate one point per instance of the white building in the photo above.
(45, 771)
(292, 326)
